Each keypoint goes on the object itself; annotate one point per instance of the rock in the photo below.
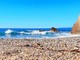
(54, 29)
(76, 27)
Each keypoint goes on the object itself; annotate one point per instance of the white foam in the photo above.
(22, 32)
(67, 35)
(8, 31)
(38, 32)
(63, 35)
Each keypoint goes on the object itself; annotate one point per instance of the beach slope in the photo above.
(40, 49)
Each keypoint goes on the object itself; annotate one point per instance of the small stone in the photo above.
(76, 48)
(28, 45)
(59, 53)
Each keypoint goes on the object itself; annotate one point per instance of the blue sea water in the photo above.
(33, 32)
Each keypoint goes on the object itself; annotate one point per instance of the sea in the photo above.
(34, 33)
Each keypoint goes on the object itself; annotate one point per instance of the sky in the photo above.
(38, 13)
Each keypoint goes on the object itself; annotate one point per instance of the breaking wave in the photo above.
(37, 34)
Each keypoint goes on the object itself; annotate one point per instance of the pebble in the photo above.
(54, 49)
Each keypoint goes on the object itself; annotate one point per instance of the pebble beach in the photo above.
(67, 48)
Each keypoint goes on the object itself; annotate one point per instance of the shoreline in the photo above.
(73, 36)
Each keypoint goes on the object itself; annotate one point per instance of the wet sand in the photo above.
(40, 49)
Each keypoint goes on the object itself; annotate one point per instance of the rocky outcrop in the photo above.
(54, 29)
(76, 27)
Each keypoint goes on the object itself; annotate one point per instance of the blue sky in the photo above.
(38, 13)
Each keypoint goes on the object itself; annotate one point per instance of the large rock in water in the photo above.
(54, 29)
(76, 27)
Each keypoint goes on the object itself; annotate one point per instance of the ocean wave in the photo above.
(38, 34)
